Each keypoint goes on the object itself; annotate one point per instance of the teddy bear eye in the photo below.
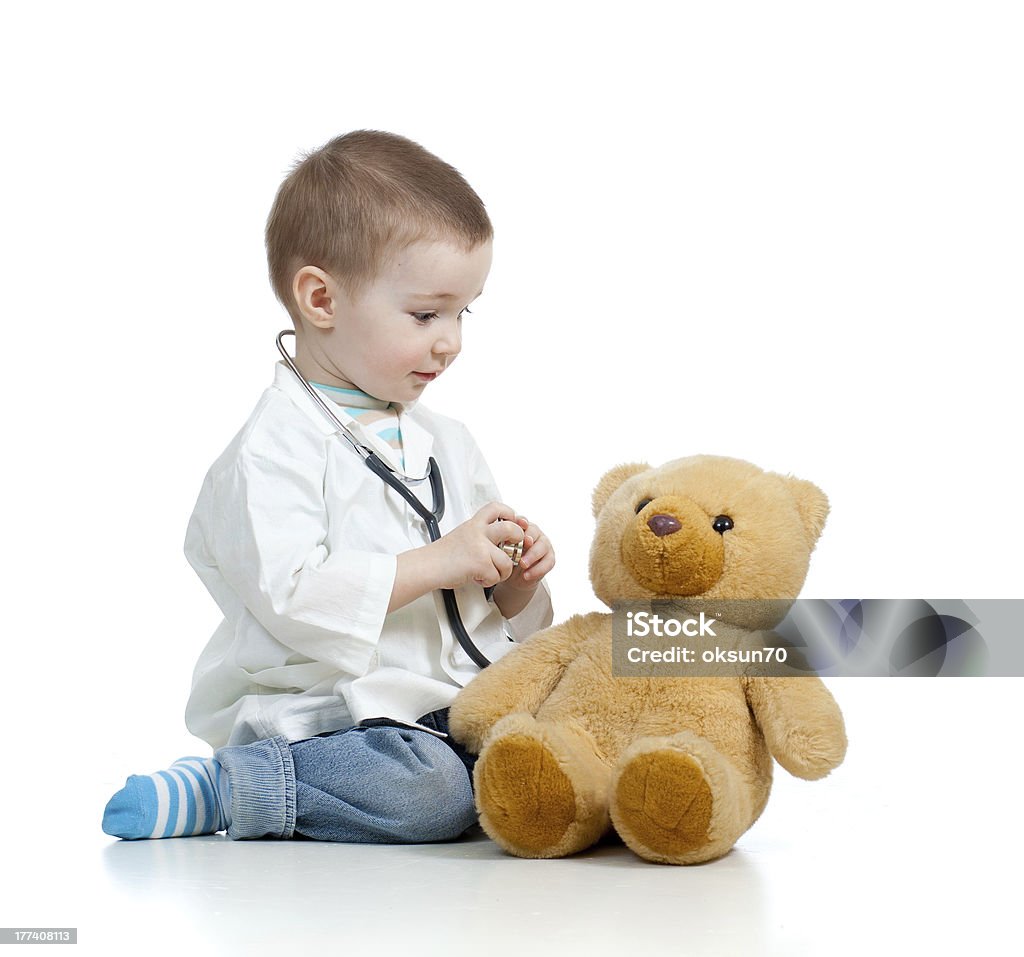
(722, 524)
(642, 504)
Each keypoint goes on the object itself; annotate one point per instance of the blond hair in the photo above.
(354, 202)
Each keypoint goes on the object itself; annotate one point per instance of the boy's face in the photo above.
(401, 332)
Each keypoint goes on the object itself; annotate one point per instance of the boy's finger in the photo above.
(541, 568)
(533, 552)
(504, 531)
(503, 565)
(496, 511)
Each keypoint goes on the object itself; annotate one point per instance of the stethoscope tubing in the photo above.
(400, 483)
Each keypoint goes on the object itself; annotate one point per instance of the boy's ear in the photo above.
(611, 480)
(315, 297)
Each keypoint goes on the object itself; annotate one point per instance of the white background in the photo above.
(789, 232)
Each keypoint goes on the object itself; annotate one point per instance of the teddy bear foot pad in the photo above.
(538, 795)
(673, 801)
(664, 803)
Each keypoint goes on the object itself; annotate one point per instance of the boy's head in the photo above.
(349, 207)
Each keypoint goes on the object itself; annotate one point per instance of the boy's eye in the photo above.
(425, 317)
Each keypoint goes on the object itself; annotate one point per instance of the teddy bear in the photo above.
(679, 766)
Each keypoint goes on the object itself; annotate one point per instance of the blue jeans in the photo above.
(376, 783)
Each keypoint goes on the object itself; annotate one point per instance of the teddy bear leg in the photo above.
(677, 800)
(541, 789)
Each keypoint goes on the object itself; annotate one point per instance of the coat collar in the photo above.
(417, 442)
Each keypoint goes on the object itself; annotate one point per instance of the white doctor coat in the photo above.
(296, 540)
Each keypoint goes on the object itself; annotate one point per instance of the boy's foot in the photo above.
(192, 797)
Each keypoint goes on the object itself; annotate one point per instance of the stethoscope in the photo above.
(400, 482)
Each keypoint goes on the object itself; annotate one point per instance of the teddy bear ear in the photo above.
(811, 503)
(611, 480)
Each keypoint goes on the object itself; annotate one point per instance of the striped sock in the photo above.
(192, 797)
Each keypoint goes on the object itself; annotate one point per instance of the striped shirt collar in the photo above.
(350, 398)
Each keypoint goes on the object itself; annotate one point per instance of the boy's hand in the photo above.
(472, 551)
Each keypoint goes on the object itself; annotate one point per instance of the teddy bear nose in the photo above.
(663, 525)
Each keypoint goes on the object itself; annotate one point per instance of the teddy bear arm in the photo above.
(801, 722)
(521, 681)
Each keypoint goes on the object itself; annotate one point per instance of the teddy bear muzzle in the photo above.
(671, 547)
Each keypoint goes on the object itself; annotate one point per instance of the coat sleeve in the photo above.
(266, 531)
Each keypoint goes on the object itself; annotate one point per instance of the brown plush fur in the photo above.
(680, 767)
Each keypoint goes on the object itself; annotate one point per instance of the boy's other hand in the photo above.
(538, 557)
(514, 594)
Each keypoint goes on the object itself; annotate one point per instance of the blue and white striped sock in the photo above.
(192, 797)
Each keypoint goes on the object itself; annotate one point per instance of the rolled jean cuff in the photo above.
(262, 777)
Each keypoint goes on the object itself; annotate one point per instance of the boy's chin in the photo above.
(416, 388)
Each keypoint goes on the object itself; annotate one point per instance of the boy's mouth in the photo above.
(426, 376)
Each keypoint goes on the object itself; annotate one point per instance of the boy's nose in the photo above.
(449, 343)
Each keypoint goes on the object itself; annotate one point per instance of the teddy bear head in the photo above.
(705, 529)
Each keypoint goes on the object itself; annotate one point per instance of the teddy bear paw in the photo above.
(662, 805)
(541, 788)
(526, 800)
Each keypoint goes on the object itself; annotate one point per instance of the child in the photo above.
(325, 689)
